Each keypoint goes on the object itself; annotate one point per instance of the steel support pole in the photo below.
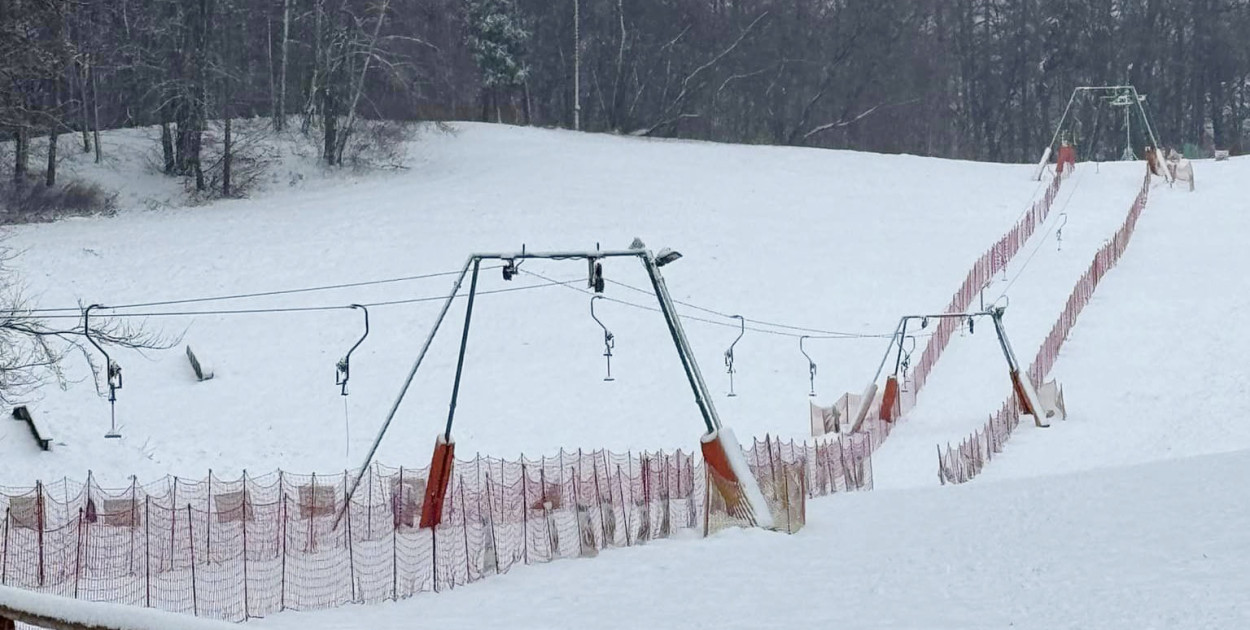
(701, 395)
(390, 415)
(464, 342)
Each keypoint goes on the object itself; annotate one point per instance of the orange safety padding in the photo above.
(1067, 155)
(436, 490)
(1018, 386)
(889, 400)
(723, 476)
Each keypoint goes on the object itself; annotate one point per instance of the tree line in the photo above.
(973, 79)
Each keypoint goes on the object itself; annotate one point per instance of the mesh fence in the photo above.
(963, 462)
(991, 263)
(252, 546)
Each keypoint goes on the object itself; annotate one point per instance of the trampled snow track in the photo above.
(971, 379)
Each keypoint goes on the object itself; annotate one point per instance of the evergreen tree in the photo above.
(497, 40)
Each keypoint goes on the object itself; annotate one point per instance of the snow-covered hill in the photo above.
(1127, 515)
(835, 241)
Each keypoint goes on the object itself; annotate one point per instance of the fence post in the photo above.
(39, 524)
(78, 554)
(246, 604)
(490, 519)
(398, 508)
(312, 545)
(351, 552)
(464, 523)
(208, 521)
(603, 518)
(369, 513)
(624, 505)
(525, 512)
(282, 512)
(195, 606)
(173, 520)
(134, 514)
(4, 557)
(147, 550)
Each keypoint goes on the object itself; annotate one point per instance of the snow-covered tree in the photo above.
(498, 38)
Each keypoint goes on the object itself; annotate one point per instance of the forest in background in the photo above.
(970, 79)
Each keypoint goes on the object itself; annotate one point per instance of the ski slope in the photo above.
(971, 380)
(1121, 517)
(1155, 546)
(1155, 369)
(837, 241)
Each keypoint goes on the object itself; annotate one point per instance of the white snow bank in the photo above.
(44, 609)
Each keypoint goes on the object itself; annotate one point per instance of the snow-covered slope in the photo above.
(1156, 546)
(1155, 369)
(836, 241)
(971, 380)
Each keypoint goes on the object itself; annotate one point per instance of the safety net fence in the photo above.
(965, 461)
(256, 545)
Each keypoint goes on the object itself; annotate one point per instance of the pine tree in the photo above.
(497, 40)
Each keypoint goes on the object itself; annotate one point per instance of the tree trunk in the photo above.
(226, 159)
(360, 84)
(50, 179)
(80, 74)
(21, 152)
(95, 113)
(329, 121)
(279, 120)
(167, 148)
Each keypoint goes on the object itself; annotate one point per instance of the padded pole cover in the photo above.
(733, 478)
(440, 475)
(889, 400)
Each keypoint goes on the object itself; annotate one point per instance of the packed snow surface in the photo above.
(1157, 546)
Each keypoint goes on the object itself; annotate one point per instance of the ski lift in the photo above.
(905, 361)
(811, 367)
(113, 371)
(729, 354)
(609, 340)
(343, 367)
(1063, 216)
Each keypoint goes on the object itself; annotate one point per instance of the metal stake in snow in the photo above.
(112, 369)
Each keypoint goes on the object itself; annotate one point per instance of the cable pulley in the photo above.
(594, 279)
(609, 340)
(729, 354)
(811, 367)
